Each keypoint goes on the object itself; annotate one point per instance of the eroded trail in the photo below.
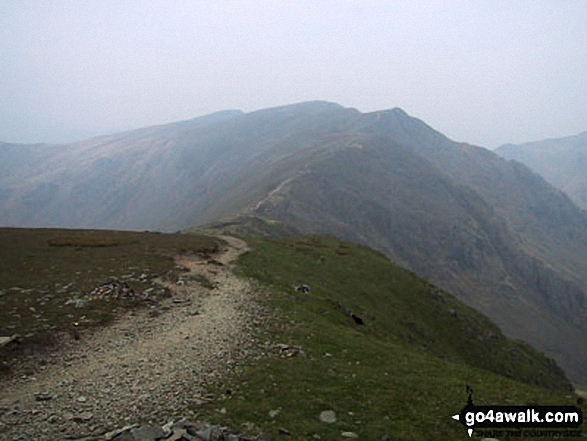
(148, 366)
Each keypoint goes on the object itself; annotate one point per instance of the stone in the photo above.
(204, 434)
(283, 431)
(217, 434)
(349, 435)
(147, 433)
(289, 351)
(77, 303)
(178, 434)
(83, 417)
(5, 340)
(328, 416)
(168, 427)
(114, 434)
(274, 413)
(303, 288)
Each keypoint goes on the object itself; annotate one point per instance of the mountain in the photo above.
(489, 230)
(562, 161)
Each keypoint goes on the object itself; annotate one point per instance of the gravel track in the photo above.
(149, 366)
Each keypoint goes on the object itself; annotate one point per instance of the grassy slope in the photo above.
(41, 269)
(403, 373)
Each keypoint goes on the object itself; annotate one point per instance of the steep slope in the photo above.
(489, 230)
(397, 374)
(562, 161)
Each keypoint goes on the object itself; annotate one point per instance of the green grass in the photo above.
(82, 241)
(41, 269)
(403, 373)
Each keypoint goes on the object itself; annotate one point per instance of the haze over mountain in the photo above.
(562, 161)
(489, 230)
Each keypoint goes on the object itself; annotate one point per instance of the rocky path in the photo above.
(150, 366)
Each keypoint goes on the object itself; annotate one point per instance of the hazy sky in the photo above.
(484, 72)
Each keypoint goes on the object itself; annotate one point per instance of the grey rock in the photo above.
(83, 417)
(204, 434)
(147, 433)
(123, 436)
(349, 435)
(217, 434)
(328, 416)
(77, 303)
(168, 427)
(115, 433)
(5, 340)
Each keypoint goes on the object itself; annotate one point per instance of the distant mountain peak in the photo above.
(398, 111)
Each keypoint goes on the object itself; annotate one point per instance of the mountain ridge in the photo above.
(562, 161)
(491, 231)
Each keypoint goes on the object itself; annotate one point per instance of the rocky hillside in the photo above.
(562, 161)
(489, 230)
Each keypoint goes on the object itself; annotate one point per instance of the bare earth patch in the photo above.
(149, 366)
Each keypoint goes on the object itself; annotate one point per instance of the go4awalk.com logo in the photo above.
(521, 421)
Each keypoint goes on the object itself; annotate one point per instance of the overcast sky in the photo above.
(484, 72)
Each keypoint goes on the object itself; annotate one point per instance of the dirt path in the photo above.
(149, 366)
